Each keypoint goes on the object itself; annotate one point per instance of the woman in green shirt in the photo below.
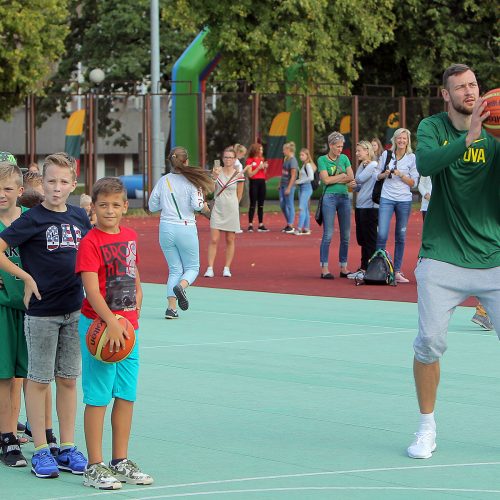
(336, 175)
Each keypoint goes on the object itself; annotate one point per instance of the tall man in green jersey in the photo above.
(460, 254)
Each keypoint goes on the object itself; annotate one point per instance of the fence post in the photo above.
(402, 111)
(309, 126)
(255, 116)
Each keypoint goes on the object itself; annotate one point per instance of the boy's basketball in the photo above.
(492, 123)
(98, 345)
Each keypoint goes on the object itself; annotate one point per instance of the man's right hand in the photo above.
(477, 118)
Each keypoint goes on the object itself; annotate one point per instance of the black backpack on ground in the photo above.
(380, 270)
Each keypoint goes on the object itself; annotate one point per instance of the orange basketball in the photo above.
(98, 345)
(492, 123)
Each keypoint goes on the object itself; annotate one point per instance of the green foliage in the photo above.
(260, 40)
(31, 41)
(432, 34)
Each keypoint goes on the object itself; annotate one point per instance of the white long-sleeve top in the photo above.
(179, 208)
(365, 181)
(394, 188)
(425, 187)
(306, 174)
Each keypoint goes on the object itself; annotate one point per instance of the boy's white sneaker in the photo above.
(209, 273)
(423, 445)
(226, 273)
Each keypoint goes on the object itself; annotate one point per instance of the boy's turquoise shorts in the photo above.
(102, 382)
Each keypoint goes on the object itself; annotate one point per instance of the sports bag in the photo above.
(380, 270)
(377, 188)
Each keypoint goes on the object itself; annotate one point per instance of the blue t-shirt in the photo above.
(286, 172)
(48, 242)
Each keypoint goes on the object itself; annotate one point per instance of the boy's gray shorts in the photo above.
(441, 288)
(53, 347)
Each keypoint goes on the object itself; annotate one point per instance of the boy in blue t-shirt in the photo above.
(48, 236)
(107, 261)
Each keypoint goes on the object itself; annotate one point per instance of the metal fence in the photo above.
(117, 134)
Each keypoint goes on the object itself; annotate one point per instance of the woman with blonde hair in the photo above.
(366, 212)
(399, 177)
(225, 216)
(180, 195)
(336, 174)
(378, 149)
(306, 176)
(287, 186)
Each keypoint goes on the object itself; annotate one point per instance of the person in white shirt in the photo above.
(306, 176)
(425, 188)
(180, 195)
(399, 177)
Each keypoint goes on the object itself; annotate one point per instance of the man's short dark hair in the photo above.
(454, 69)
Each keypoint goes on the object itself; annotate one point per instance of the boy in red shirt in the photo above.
(107, 261)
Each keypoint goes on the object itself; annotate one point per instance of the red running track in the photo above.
(280, 263)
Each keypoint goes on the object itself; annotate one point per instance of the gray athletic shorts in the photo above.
(441, 288)
(53, 347)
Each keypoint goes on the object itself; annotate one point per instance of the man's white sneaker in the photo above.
(423, 445)
(209, 273)
(226, 273)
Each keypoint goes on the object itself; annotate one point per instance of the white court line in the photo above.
(318, 488)
(264, 340)
(284, 476)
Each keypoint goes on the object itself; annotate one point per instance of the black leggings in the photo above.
(366, 232)
(257, 197)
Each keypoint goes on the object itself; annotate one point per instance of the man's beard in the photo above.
(460, 108)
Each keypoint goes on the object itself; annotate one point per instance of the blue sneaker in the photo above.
(43, 464)
(71, 460)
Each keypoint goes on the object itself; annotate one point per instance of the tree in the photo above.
(260, 40)
(113, 36)
(429, 35)
(31, 41)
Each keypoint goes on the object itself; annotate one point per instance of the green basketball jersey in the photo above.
(462, 225)
(12, 288)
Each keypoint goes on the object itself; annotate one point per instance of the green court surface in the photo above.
(266, 396)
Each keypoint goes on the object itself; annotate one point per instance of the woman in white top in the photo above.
(180, 195)
(425, 188)
(306, 176)
(366, 213)
(225, 216)
(399, 177)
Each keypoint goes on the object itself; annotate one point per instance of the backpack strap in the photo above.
(388, 159)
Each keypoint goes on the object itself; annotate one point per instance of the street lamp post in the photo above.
(96, 76)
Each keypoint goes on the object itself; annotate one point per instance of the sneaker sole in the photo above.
(52, 475)
(127, 480)
(21, 462)
(97, 486)
(63, 468)
(180, 295)
(421, 457)
(171, 317)
(482, 325)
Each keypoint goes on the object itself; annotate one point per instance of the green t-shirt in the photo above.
(12, 289)
(462, 225)
(339, 166)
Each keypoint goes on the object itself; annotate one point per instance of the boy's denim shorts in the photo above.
(101, 382)
(53, 347)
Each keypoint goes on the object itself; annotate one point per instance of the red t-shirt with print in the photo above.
(255, 162)
(114, 258)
